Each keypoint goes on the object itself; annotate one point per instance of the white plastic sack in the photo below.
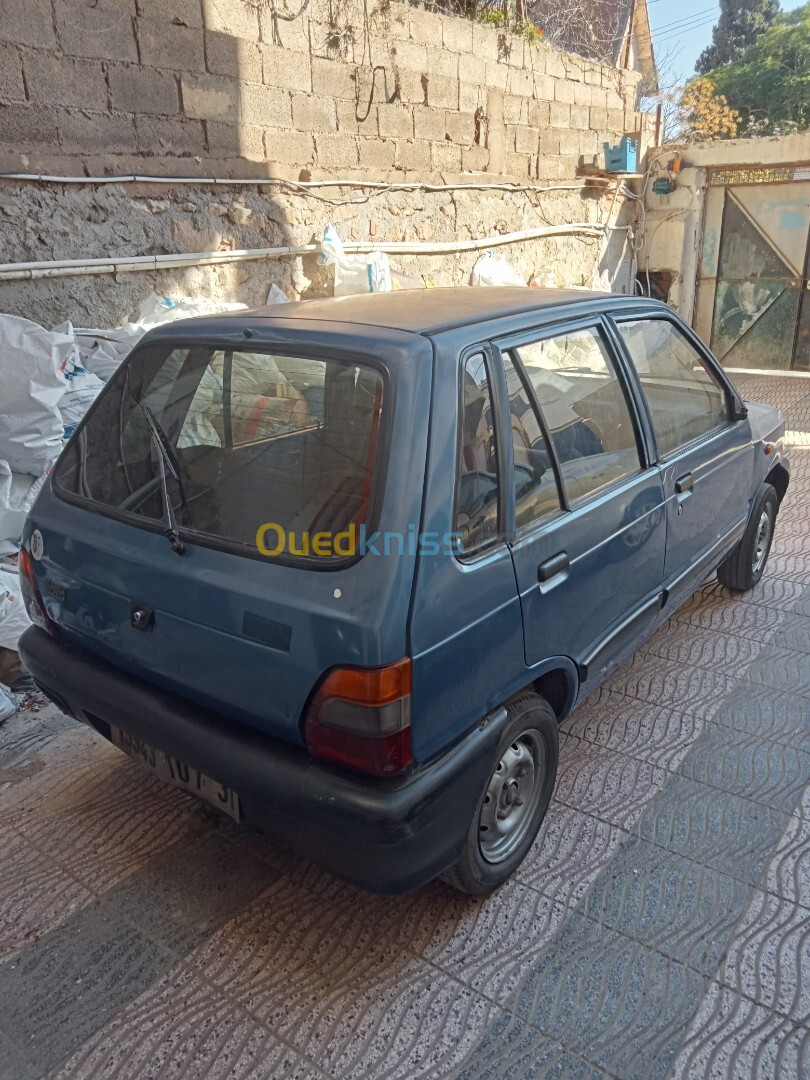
(82, 390)
(490, 270)
(13, 617)
(8, 703)
(277, 295)
(354, 274)
(31, 386)
(101, 351)
(17, 494)
(156, 310)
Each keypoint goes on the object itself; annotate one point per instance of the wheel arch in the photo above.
(778, 478)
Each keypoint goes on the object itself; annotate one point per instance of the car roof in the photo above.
(427, 311)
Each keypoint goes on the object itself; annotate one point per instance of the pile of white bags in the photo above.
(13, 617)
(354, 274)
(490, 270)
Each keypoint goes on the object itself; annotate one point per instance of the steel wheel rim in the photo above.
(512, 796)
(762, 542)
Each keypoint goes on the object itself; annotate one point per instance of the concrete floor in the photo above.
(660, 926)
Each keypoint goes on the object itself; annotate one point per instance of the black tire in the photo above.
(743, 568)
(530, 741)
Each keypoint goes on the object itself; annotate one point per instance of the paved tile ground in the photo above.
(660, 926)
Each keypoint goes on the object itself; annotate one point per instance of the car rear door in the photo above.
(590, 534)
(703, 442)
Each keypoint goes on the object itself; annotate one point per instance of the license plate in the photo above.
(177, 773)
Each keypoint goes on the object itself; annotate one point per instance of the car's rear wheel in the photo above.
(514, 801)
(744, 567)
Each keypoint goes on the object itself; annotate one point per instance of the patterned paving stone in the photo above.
(776, 716)
(731, 1037)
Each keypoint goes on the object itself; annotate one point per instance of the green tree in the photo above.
(769, 86)
(740, 24)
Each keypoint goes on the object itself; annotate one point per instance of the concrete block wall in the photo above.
(236, 87)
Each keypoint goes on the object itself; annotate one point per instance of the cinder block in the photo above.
(19, 25)
(289, 70)
(473, 69)
(424, 27)
(484, 42)
(471, 96)
(293, 33)
(376, 153)
(518, 165)
(550, 168)
(593, 74)
(413, 155)
(78, 25)
(569, 142)
(429, 124)
(347, 118)
(395, 121)
(289, 147)
(549, 142)
(336, 151)
(598, 119)
(555, 65)
(442, 62)
(442, 93)
(582, 95)
(264, 106)
(178, 12)
(574, 68)
(143, 90)
(239, 59)
(95, 132)
(25, 126)
(445, 157)
(615, 120)
(569, 163)
(12, 87)
(526, 140)
(598, 97)
(410, 56)
(539, 114)
(175, 48)
(614, 100)
(559, 114)
(497, 75)
(333, 79)
(210, 97)
(79, 84)
(238, 20)
(460, 128)
(580, 117)
(588, 143)
(457, 34)
(543, 87)
(564, 91)
(412, 85)
(159, 135)
(515, 109)
(521, 82)
(475, 159)
(311, 114)
(330, 42)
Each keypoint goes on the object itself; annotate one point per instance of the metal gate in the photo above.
(753, 301)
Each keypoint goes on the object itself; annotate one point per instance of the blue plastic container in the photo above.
(621, 158)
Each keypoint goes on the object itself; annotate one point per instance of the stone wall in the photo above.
(356, 87)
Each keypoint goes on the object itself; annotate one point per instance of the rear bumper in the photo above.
(386, 835)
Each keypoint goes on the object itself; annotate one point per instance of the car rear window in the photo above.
(259, 440)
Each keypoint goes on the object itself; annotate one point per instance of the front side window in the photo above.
(686, 400)
(585, 410)
(250, 439)
(478, 490)
(536, 494)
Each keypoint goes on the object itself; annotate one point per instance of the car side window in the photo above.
(685, 398)
(478, 486)
(536, 493)
(585, 409)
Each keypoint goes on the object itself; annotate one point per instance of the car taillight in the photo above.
(361, 717)
(32, 597)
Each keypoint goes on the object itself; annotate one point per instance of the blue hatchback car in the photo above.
(339, 568)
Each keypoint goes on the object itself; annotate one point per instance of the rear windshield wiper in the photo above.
(166, 460)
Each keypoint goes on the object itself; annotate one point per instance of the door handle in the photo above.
(551, 567)
(684, 484)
